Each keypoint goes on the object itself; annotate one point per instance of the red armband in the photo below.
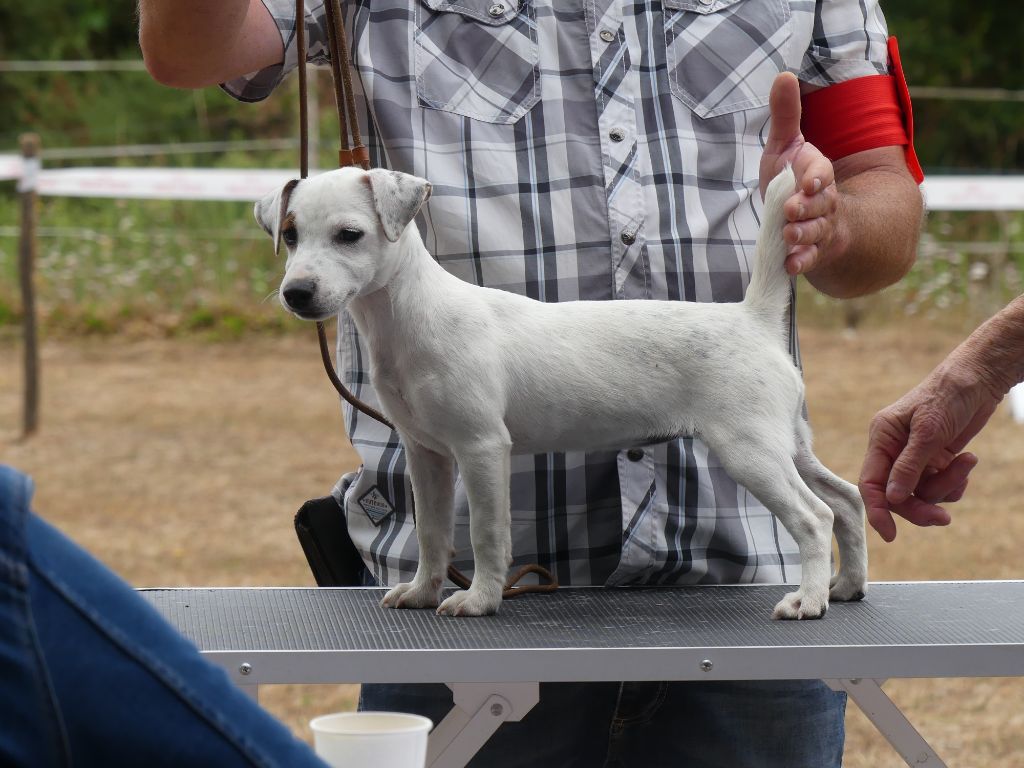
(863, 113)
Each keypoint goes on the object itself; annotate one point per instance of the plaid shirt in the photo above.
(605, 149)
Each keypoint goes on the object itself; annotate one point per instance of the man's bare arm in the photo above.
(853, 224)
(197, 43)
(876, 226)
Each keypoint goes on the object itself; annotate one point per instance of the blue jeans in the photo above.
(765, 724)
(91, 675)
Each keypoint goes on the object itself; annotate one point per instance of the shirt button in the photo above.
(607, 35)
(634, 454)
(628, 237)
(498, 9)
(616, 134)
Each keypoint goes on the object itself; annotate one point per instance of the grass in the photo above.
(134, 265)
(148, 267)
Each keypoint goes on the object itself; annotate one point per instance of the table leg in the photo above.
(479, 710)
(889, 720)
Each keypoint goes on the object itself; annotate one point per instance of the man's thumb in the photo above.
(784, 105)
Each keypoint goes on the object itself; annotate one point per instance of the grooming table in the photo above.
(494, 664)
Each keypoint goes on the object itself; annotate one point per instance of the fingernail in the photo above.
(799, 233)
(800, 211)
(817, 185)
(896, 492)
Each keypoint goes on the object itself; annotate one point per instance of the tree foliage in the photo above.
(109, 108)
(964, 45)
(68, 29)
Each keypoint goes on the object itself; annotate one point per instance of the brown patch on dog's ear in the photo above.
(283, 216)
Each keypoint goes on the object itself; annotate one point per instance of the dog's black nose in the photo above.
(298, 294)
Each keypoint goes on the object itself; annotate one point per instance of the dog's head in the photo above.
(343, 234)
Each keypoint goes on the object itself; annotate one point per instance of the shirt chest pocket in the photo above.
(722, 55)
(477, 58)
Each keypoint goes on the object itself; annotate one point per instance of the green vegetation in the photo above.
(963, 45)
(150, 266)
(204, 268)
(146, 266)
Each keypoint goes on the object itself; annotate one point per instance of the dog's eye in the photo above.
(349, 235)
(290, 236)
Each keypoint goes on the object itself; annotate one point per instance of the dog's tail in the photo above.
(770, 285)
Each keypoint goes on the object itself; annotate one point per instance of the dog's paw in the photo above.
(412, 595)
(799, 605)
(846, 589)
(470, 602)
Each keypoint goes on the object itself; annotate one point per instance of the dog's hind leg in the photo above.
(766, 469)
(433, 481)
(485, 466)
(850, 582)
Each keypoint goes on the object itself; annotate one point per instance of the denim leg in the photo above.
(568, 728)
(131, 690)
(775, 724)
(744, 724)
(31, 735)
(753, 724)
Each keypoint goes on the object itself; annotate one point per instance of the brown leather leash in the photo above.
(460, 579)
(351, 151)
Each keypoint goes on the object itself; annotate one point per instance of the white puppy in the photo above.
(470, 375)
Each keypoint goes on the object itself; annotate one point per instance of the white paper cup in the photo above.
(377, 739)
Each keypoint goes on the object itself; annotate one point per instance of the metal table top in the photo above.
(918, 629)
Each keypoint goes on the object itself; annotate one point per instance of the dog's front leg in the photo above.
(432, 486)
(485, 469)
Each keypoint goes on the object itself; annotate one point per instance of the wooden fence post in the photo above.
(26, 270)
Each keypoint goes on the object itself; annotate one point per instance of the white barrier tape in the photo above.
(942, 193)
(1017, 403)
(10, 167)
(148, 235)
(974, 193)
(29, 180)
(162, 183)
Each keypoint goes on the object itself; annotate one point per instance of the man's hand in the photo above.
(812, 210)
(914, 460)
(853, 224)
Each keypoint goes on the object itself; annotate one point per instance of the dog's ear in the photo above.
(397, 198)
(271, 210)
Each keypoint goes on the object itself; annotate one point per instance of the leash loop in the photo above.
(460, 579)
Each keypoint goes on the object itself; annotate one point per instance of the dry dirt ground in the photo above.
(181, 463)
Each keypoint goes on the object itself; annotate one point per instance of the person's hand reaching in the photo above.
(914, 460)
